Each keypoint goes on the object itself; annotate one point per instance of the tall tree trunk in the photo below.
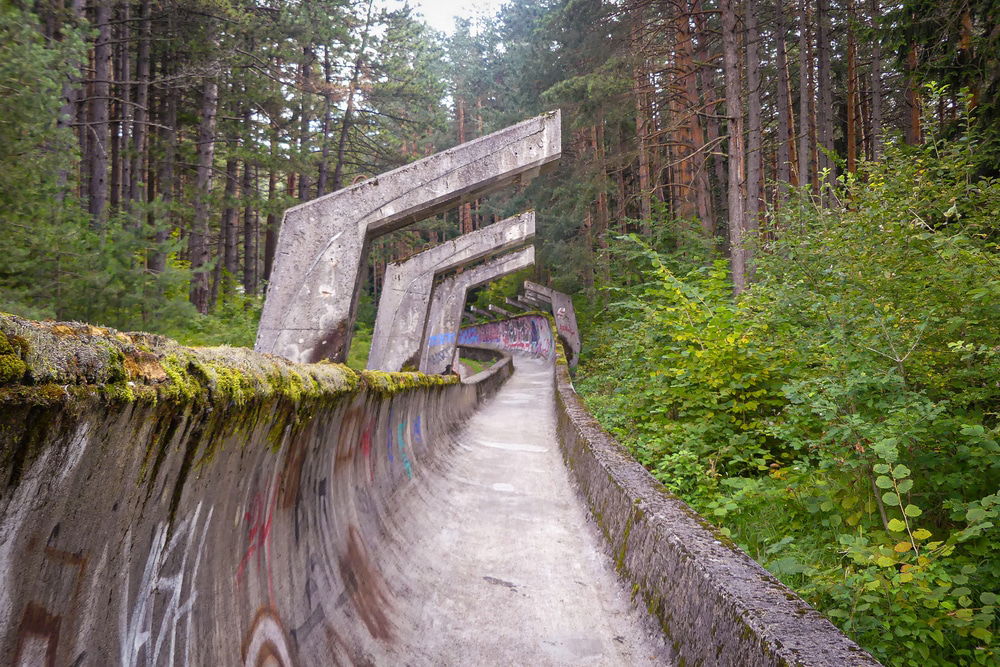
(755, 180)
(876, 84)
(198, 248)
(140, 148)
(345, 126)
(249, 195)
(165, 175)
(913, 131)
(305, 73)
(98, 127)
(324, 161)
(465, 210)
(824, 113)
(739, 252)
(805, 65)
(230, 253)
(785, 122)
(852, 91)
(639, 92)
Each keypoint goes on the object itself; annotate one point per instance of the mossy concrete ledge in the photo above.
(170, 505)
(714, 603)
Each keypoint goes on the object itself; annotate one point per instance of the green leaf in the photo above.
(989, 598)
(890, 498)
(905, 485)
(900, 471)
(982, 633)
(912, 510)
(883, 482)
(975, 515)
(881, 468)
(896, 526)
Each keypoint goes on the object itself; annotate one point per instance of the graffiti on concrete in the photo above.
(529, 333)
(161, 615)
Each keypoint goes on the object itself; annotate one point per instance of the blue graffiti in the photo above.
(418, 437)
(388, 440)
(441, 339)
(402, 450)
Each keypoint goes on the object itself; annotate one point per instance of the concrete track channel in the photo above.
(504, 565)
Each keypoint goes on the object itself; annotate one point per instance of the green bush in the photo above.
(841, 419)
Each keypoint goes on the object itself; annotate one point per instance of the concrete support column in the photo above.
(319, 264)
(448, 302)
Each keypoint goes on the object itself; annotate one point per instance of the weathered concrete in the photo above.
(448, 301)
(323, 244)
(565, 316)
(480, 312)
(714, 604)
(406, 291)
(534, 303)
(517, 304)
(498, 310)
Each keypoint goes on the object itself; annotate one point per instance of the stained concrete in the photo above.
(406, 291)
(517, 304)
(448, 301)
(499, 311)
(319, 263)
(564, 314)
(512, 571)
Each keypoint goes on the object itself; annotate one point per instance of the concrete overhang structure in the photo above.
(448, 302)
(319, 263)
(498, 310)
(480, 312)
(533, 303)
(517, 304)
(565, 316)
(406, 290)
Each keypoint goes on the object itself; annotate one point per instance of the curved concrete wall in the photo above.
(166, 506)
(714, 603)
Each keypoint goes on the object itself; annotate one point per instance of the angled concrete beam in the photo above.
(448, 301)
(498, 310)
(480, 312)
(319, 263)
(535, 304)
(517, 304)
(565, 316)
(406, 290)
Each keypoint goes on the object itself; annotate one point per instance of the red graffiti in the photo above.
(259, 519)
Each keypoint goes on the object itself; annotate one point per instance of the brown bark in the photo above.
(824, 111)
(852, 92)
(739, 252)
(98, 131)
(198, 248)
(754, 175)
(913, 130)
(250, 230)
(140, 148)
(805, 65)
(230, 257)
(639, 91)
(785, 122)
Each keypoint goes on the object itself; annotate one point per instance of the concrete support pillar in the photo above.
(448, 302)
(406, 291)
(319, 264)
(565, 316)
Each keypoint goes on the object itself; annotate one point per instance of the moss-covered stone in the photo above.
(391, 383)
(12, 369)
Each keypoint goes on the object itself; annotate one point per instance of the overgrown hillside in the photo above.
(841, 419)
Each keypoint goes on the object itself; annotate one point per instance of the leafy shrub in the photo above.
(841, 419)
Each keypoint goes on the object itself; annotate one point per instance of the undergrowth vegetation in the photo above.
(841, 419)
